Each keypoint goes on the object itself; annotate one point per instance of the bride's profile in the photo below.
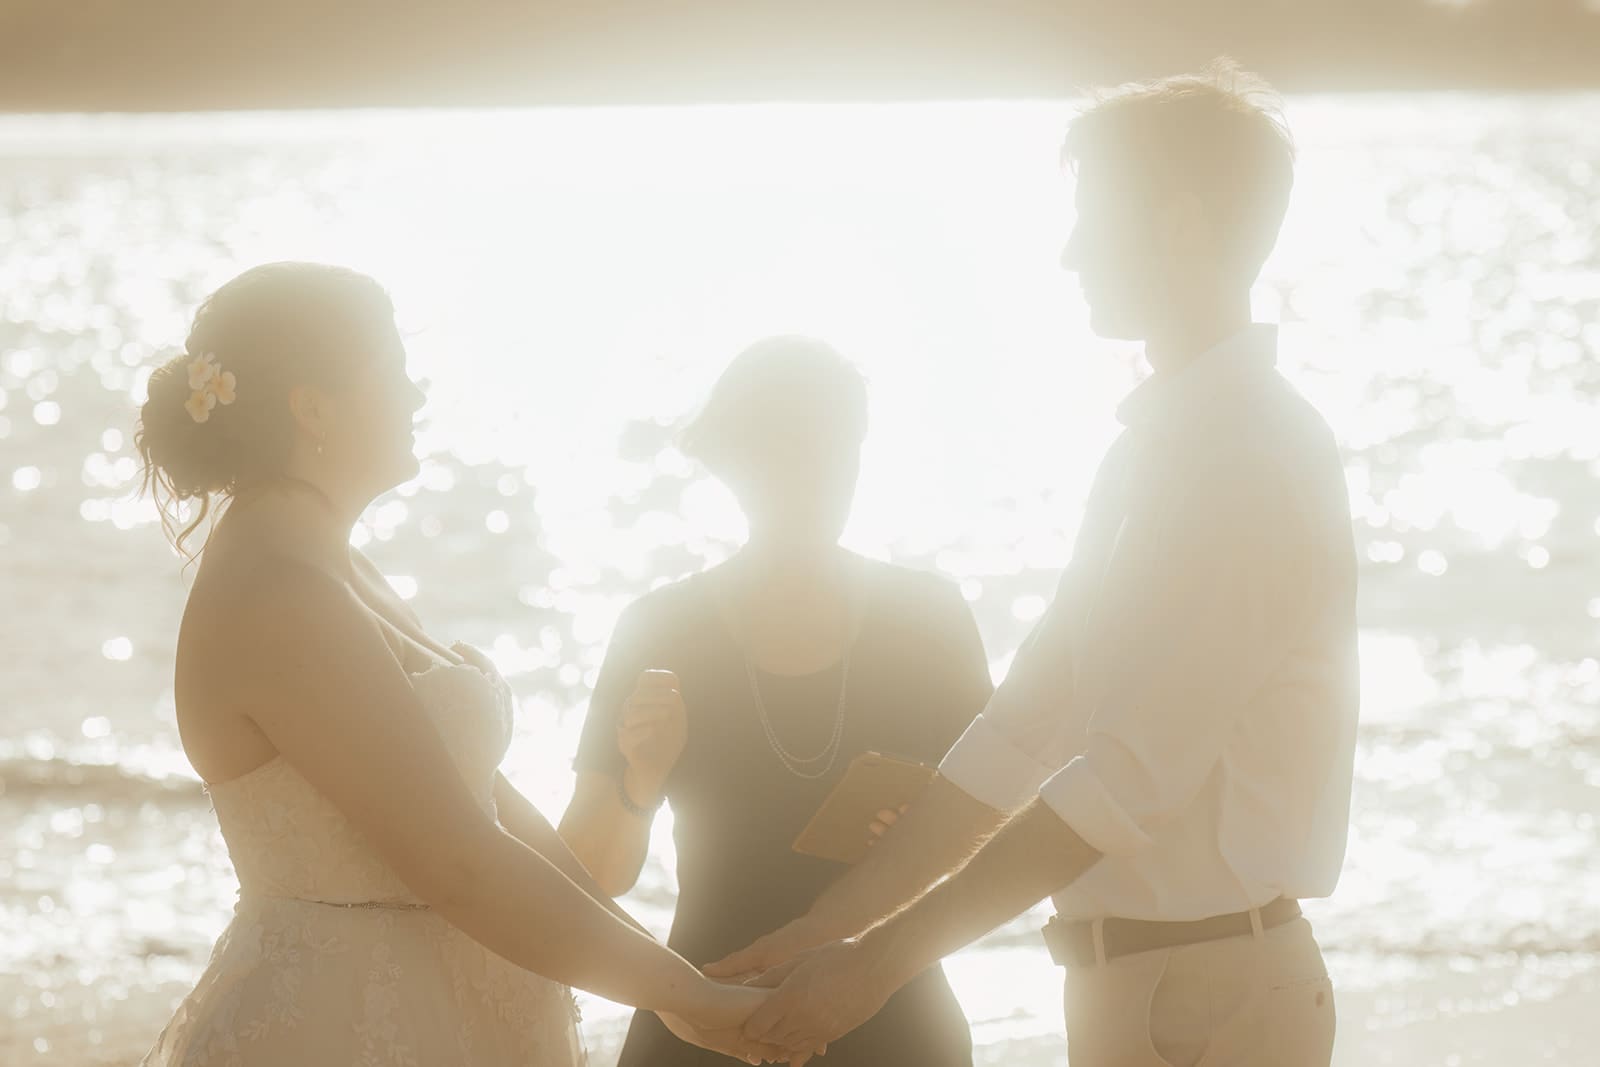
(400, 902)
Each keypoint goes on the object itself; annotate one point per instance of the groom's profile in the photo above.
(1170, 755)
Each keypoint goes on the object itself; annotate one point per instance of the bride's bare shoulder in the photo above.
(260, 564)
(258, 603)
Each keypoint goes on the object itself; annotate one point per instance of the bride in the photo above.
(400, 902)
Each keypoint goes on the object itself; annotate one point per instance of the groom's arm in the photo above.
(956, 814)
(931, 841)
(992, 772)
(1205, 616)
(1206, 594)
(1033, 856)
(844, 985)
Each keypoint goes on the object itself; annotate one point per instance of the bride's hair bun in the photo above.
(217, 417)
(190, 457)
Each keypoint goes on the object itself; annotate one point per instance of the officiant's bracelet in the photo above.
(627, 802)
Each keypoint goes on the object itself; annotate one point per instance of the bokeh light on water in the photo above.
(570, 283)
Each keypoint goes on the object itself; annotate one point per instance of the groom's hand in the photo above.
(778, 975)
(825, 996)
(765, 953)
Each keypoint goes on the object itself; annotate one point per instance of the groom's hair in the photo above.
(1218, 135)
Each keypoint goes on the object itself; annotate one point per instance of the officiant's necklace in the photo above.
(808, 767)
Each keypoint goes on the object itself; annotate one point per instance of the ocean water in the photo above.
(571, 282)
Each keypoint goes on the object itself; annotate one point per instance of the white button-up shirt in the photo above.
(1188, 703)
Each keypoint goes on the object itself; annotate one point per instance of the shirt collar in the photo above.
(1254, 347)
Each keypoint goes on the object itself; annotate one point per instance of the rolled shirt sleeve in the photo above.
(987, 766)
(1199, 599)
(1017, 742)
(1085, 803)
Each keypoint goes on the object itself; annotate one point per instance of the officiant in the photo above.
(741, 694)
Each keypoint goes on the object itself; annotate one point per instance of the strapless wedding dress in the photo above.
(329, 961)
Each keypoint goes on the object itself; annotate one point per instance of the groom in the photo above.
(1170, 756)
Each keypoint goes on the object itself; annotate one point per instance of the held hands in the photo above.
(652, 732)
(718, 1025)
(822, 988)
(819, 997)
(772, 951)
(821, 992)
(800, 935)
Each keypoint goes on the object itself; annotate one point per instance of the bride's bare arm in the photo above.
(528, 825)
(293, 651)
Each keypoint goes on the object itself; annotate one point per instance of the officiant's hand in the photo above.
(651, 733)
(824, 996)
(883, 820)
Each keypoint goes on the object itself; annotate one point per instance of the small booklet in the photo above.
(841, 828)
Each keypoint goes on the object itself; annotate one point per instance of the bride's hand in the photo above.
(473, 657)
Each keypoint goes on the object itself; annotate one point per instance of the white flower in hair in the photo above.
(209, 385)
(199, 404)
(202, 369)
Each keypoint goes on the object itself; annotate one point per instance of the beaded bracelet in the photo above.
(629, 806)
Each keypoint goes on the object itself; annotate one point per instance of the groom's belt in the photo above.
(1072, 943)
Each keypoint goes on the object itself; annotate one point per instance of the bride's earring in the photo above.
(320, 442)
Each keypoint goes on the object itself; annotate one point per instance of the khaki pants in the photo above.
(1262, 1000)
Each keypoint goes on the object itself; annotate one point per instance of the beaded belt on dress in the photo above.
(398, 905)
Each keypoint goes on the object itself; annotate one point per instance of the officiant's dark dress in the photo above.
(913, 680)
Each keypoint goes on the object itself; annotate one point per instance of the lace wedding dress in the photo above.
(330, 960)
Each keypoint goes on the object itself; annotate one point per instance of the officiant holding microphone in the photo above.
(742, 694)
